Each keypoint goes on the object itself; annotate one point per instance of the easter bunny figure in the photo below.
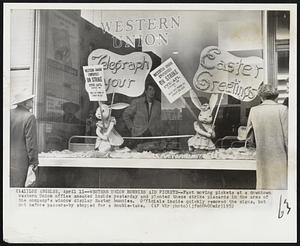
(203, 127)
(108, 137)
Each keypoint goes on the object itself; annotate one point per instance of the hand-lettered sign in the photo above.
(170, 80)
(123, 74)
(94, 83)
(222, 72)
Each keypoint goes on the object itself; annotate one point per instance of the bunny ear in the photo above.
(119, 105)
(195, 99)
(213, 101)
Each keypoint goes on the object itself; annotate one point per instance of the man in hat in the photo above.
(23, 140)
(70, 109)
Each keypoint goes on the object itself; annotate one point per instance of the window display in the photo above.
(203, 88)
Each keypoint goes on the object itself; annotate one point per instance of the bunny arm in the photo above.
(200, 131)
(100, 134)
(98, 141)
(110, 127)
(98, 131)
(213, 134)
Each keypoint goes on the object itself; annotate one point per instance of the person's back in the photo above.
(22, 140)
(267, 123)
(18, 119)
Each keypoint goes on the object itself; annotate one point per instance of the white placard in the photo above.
(170, 80)
(221, 72)
(94, 82)
(123, 74)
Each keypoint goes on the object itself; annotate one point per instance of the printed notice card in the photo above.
(170, 80)
(94, 82)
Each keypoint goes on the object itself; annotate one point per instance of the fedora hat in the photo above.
(22, 97)
(74, 107)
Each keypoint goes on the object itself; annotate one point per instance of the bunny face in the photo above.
(105, 112)
(106, 109)
(205, 114)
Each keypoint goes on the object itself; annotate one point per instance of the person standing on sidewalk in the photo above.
(269, 123)
(23, 142)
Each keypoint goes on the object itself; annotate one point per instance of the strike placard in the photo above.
(170, 80)
(124, 74)
(94, 82)
(221, 72)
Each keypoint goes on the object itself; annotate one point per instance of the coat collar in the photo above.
(269, 102)
(145, 100)
(22, 107)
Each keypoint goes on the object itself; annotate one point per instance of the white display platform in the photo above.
(149, 163)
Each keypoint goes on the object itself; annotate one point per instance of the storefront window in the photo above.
(69, 37)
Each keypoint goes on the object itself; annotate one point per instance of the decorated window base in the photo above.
(241, 153)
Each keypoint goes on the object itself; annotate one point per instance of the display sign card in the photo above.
(125, 74)
(170, 80)
(221, 72)
(94, 82)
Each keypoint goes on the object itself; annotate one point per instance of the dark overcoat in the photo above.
(138, 119)
(23, 145)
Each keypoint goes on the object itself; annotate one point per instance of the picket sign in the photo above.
(94, 82)
(94, 85)
(170, 80)
(223, 73)
(124, 74)
(173, 84)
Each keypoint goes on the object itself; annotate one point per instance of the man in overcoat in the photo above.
(269, 123)
(23, 140)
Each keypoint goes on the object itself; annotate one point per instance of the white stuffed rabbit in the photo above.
(203, 127)
(108, 137)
